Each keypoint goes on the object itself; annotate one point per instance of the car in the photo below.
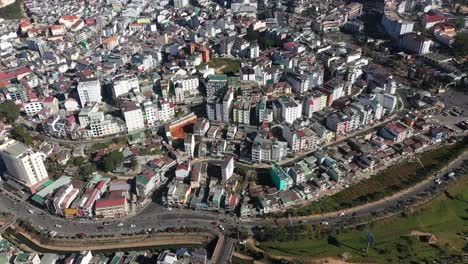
(214, 223)
(120, 224)
(221, 227)
(132, 225)
(31, 211)
(100, 227)
(58, 226)
(341, 214)
(324, 223)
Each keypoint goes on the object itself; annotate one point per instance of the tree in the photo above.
(78, 161)
(461, 44)
(9, 110)
(108, 164)
(112, 160)
(20, 133)
(87, 168)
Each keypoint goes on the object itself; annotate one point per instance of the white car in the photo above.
(341, 214)
(31, 211)
(132, 225)
(324, 223)
(120, 224)
(221, 227)
(58, 226)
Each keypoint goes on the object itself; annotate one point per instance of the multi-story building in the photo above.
(287, 109)
(216, 85)
(133, 117)
(415, 43)
(241, 111)
(394, 25)
(280, 178)
(167, 110)
(151, 113)
(314, 102)
(124, 84)
(181, 3)
(22, 163)
(227, 106)
(267, 150)
(247, 73)
(189, 145)
(227, 168)
(111, 207)
(188, 84)
(299, 82)
(89, 92)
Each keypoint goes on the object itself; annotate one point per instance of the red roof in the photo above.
(13, 74)
(103, 203)
(100, 185)
(233, 200)
(434, 18)
(49, 99)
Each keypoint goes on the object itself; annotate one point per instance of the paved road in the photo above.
(155, 216)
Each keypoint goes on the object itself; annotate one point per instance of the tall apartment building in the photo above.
(22, 163)
(124, 84)
(181, 3)
(216, 85)
(133, 117)
(288, 109)
(394, 25)
(415, 43)
(89, 92)
(227, 105)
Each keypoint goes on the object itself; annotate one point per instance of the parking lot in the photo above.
(456, 108)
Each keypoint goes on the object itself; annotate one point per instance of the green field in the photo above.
(385, 183)
(225, 66)
(445, 217)
(12, 11)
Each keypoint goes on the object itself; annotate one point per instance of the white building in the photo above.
(124, 84)
(89, 92)
(415, 43)
(151, 113)
(167, 111)
(300, 83)
(288, 109)
(189, 145)
(227, 169)
(181, 3)
(227, 105)
(188, 84)
(106, 126)
(33, 107)
(133, 117)
(394, 25)
(22, 163)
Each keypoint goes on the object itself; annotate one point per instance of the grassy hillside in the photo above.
(12, 11)
(445, 217)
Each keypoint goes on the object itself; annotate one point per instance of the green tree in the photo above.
(461, 44)
(20, 133)
(108, 164)
(87, 168)
(12, 11)
(112, 160)
(9, 110)
(78, 161)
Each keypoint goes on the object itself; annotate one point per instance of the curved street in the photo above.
(157, 217)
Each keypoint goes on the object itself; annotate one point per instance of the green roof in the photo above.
(47, 183)
(40, 195)
(22, 257)
(217, 77)
(142, 179)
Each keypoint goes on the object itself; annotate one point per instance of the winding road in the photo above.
(158, 217)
